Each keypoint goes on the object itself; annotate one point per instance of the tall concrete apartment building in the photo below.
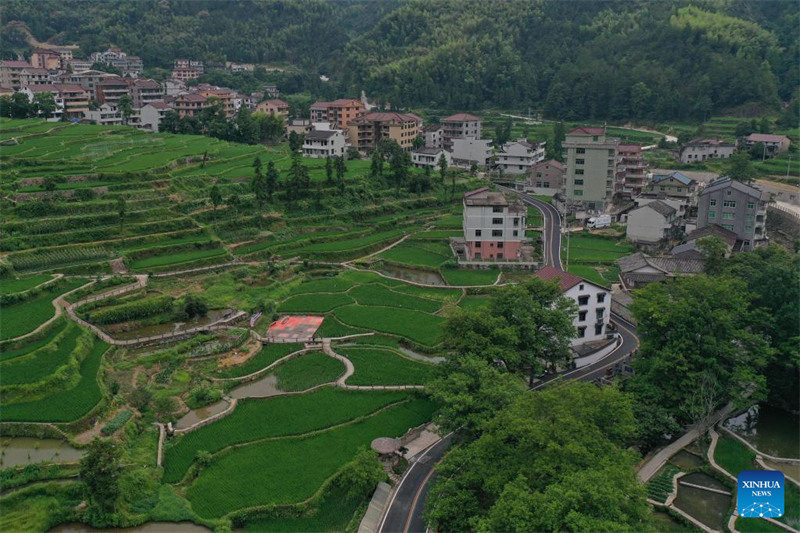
(737, 207)
(367, 131)
(591, 159)
(338, 113)
(494, 227)
(460, 126)
(631, 171)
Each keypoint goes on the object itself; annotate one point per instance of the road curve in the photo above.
(404, 514)
(551, 234)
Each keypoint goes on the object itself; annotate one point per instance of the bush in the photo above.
(191, 306)
(117, 422)
(145, 308)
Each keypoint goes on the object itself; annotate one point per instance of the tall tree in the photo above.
(45, 104)
(555, 460)
(100, 471)
(258, 184)
(376, 165)
(328, 170)
(122, 209)
(555, 148)
(442, 168)
(341, 168)
(215, 196)
(125, 106)
(271, 179)
(740, 168)
(702, 326)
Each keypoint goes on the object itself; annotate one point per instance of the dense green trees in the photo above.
(554, 460)
(699, 350)
(100, 471)
(649, 60)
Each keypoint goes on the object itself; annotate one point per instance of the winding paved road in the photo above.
(404, 514)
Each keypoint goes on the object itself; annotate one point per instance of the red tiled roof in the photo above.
(552, 162)
(345, 101)
(159, 105)
(275, 103)
(765, 137)
(12, 63)
(191, 97)
(386, 117)
(461, 117)
(629, 148)
(565, 280)
(55, 88)
(587, 130)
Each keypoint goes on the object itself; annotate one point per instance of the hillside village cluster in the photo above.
(602, 180)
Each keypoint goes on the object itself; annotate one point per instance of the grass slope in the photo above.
(308, 370)
(375, 366)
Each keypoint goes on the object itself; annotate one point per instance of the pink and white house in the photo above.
(594, 304)
(494, 227)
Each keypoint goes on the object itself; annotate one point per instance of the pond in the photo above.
(699, 478)
(710, 508)
(17, 451)
(773, 431)
(261, 388)
(118, 331)
(196, 415)
(686, 460)
(149, 527)
(411, 274)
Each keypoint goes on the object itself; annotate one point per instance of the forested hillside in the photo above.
(573, 60)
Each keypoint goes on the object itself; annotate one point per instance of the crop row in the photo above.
(40, 260)
(145, 308)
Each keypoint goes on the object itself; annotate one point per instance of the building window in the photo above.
(578, 192)
(500, 244)
(580, 150)
(582, 332)
(516, 221)
(582, 316)
(477, 233)
(712, 215)
(598, 329)
(728, 216)
(477, 244)
(497, 221)
(729, 203)
(580, 287)
(578, 171)
(601, 297)
(749, 218)
(728, 227)
(516, 233)
(497, 233)
(748, 229)
(497, 209)
(599, 313)
(578, 181)
(712, 203)
(580, 161)
(583, 300)
(751, 205)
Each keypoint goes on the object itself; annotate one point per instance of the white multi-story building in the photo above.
(324, 143)
(105, 115)
(150, 115)
(433, 135)
(591, 159)
(699, 150)
(429, 157)
(460, 126)
(469, 151)
(494, 227)
(516, 157)
(594, 304)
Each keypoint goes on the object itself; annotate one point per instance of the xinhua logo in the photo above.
(759, 494)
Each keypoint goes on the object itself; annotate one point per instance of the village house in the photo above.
(10, 72)
(34, 76)
(88, 79)
(591, 161)
(460, 126)
(367, 131)
(468, 151)
(225, 97)
(429, 157)
(301, 126)
(516, 157)
(653, 224)
(144, 91)
(275, 107)
(737, 207)
(699, 150)
(773, 144)
(675, 189)
(151, 114)
(105, 115)
(119, 59)
(631, 171)
(338, 113)
(544, 178)
(593, 302)
(433, 135)
(690, 249)
(185, 73)
(71, 100)
(46, 59)
(80, 65)
(324, 143)
(189, 63)
(639, 269)
(111, 89)
(190, 104)
(494, 227)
